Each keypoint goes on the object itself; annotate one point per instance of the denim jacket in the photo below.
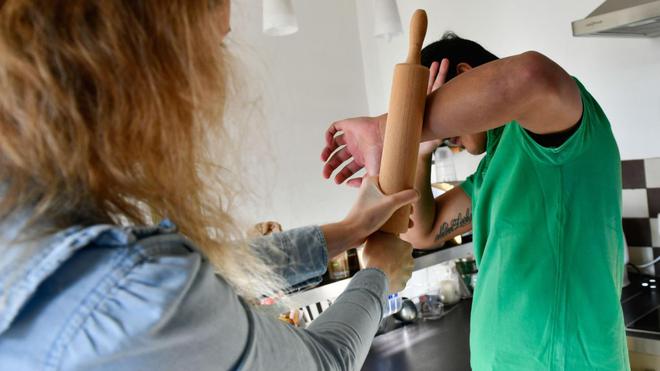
(107, 298)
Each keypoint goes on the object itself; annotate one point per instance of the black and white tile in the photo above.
(641, 208)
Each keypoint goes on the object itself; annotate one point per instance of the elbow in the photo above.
(411, 238)
(536, 78)
(536, 83)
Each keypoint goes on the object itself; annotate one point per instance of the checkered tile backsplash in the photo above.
(641, 208)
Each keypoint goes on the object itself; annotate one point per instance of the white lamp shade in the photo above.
(387, 22)
(279, 18)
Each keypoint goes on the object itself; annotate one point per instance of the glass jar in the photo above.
(338, 267)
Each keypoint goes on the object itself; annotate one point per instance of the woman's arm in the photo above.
(340, 338)
(298, 255)
(302, 254)
(161, 305)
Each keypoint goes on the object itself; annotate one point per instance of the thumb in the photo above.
(403, 198)
(369, 184)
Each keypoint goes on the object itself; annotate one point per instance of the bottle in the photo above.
(353, 261)
(338, 267)
(445, 169)
(394, 304)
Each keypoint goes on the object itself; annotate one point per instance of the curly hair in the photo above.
(106, 108)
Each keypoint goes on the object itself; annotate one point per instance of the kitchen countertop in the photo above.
(441, 344)
(639, 305)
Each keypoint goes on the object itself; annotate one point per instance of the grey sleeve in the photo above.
(170, 311)
(299, 255)
(339, 339)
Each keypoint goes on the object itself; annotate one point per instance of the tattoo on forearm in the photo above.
(459, 221)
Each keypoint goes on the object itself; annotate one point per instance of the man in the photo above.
(544, 205)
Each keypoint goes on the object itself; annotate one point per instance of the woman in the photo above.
(104, 111)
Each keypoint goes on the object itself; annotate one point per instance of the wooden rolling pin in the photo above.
(404, 124)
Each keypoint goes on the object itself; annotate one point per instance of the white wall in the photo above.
(622, 74)
(334, 68)
(295, 87)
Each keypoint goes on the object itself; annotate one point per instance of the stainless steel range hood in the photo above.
(621, 18)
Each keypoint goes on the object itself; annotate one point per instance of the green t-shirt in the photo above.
(549, 245)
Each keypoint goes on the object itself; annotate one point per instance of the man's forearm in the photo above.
(423, 214)
(528, 88)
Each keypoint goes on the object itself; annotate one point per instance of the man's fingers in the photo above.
(432, 76)
(327, 151)
(444, 68)
(331, 144)
(330, 133)
(348, 171)
(441, 77)
(336, 143)
(335, 161)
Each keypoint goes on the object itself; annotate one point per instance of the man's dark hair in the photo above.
(457, 50)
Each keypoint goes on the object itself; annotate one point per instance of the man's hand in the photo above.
(427, 148)
(358, 142)
(361, 142)
(437, 75)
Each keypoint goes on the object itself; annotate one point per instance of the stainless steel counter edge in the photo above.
(334, 289)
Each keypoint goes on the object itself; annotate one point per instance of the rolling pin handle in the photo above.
(418, 25)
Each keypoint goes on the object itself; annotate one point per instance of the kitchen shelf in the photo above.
(334, 289)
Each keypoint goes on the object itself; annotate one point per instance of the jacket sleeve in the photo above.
(299, 255)
(168, 310)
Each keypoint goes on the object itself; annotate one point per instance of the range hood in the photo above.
(621, 18)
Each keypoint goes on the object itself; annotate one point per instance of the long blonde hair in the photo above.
(105, 107)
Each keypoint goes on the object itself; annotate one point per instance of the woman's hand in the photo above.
(391, 255)
(372, 208)
(264, 229)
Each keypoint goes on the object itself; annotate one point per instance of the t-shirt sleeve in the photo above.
(592, 123)
(468, 186)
